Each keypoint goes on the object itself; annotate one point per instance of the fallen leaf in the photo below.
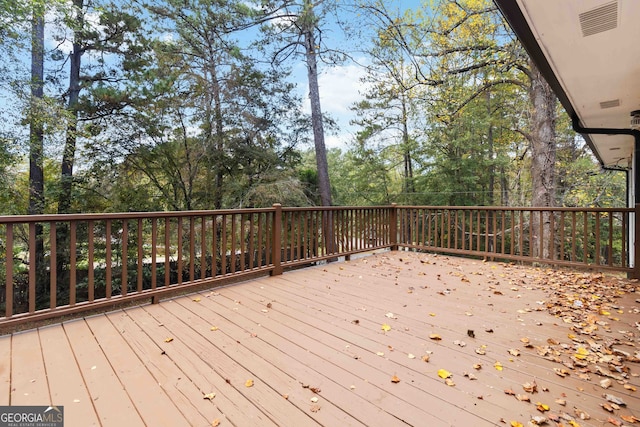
(629, 387)
(498, 366)
(477, 366)
(197, 299)
(314, 399)
(581, 414)
(248, 383)
(630, 419)
(614, 399)
(390, 316)
(435, 337)
(425, 358)
(386, 327)
(510, 392)
(379, 353)
(443, 373)
(516, 424)
(168, 339)
(538, 420)
(514, 352)
(315, 408)
(395, 379)
(214, 328)
(614, 421)
(449, 382)
(581, 353)
(215, 423)
(542, 407)
(530, 387)
(561, 372)
(523, 397)
(411, 356)
(209, 396)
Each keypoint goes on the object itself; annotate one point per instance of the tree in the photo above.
(115, 39)
(469, 39)
(388, 113)
(295, 28)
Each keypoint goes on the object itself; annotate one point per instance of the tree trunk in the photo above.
(543, 159)
(316, 116)
(409, 187)
(36, 145)
(68, 156)
(36, 129)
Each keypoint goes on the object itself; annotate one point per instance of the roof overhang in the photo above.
(589, 52)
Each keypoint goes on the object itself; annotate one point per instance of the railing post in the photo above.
(393, 227)
(636, 244)
(276, 240)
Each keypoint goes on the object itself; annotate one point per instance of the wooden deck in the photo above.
(312, 344)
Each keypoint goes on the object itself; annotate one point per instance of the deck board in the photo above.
(179, 388)
(316, 333)
(64, 378)
(28, 374)
(5, 370)
(112, 403)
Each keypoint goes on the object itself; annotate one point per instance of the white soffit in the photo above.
(593, 47)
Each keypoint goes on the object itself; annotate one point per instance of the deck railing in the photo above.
(53, 265)
(576, 237)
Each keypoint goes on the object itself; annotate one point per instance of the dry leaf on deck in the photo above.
(248, 383)
(386, 327)
(443, 373)
(209, 396)
(542, 407)
(435, 337)
(498, 366)
(530, 387)
(395, 379)
(168, 339)
(215, 423)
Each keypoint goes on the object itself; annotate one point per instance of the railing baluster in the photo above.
(203, 247)
(32, 267)
(192, 248)
(140, 256)
(154, 253)
(597, 259)
(167, 252)
(90, 263)
(124, 285)
(108, 260)
(53, 270)
(8, 310)
(72, 263)
(180, 250)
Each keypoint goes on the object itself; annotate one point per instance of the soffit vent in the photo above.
(598, 20)
(610, 104)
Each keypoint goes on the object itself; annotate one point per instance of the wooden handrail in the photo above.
(55, 265)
